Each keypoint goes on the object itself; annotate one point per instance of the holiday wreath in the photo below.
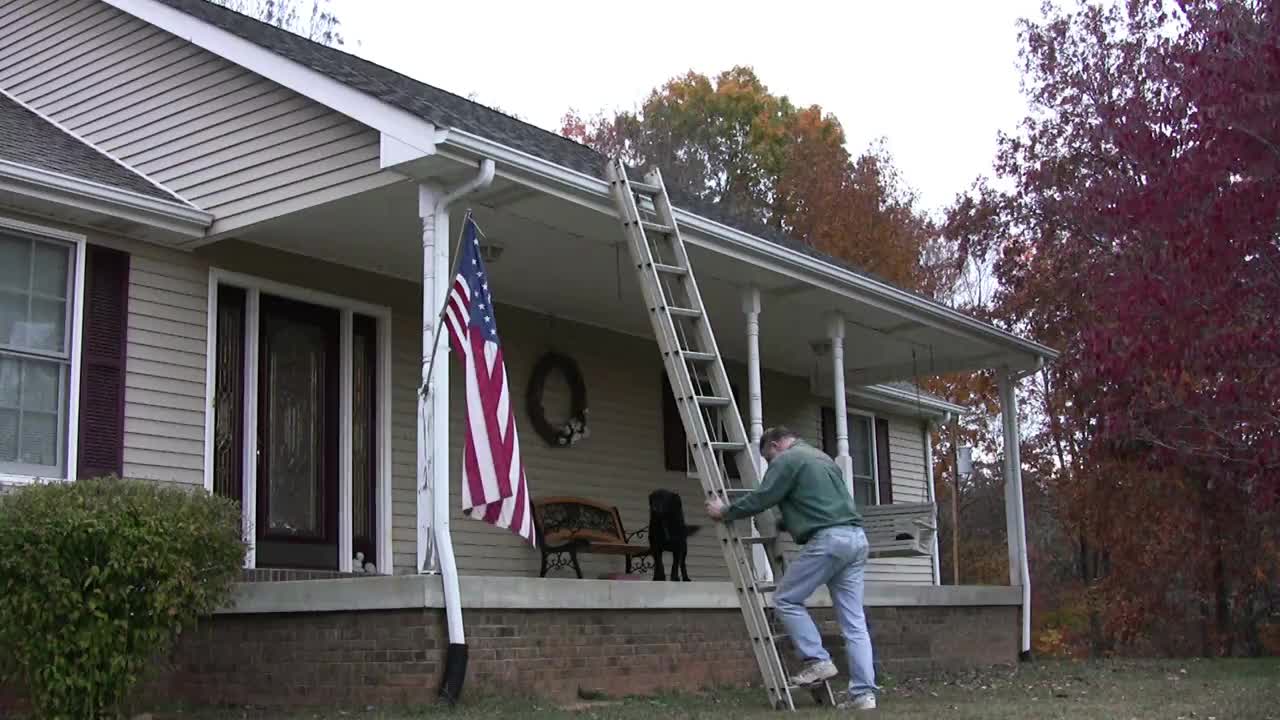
(573, 429)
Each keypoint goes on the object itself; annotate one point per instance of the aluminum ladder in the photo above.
(712, 423)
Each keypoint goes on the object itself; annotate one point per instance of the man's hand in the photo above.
(715, 508)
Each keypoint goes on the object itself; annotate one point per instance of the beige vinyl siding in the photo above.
(165, 371)
(226, 139)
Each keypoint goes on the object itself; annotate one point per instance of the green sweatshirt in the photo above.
(810, 490)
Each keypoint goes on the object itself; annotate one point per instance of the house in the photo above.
(216, 238)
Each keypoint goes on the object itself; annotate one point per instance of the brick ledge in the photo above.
(488, 593)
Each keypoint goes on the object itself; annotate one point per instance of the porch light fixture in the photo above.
(490, 252)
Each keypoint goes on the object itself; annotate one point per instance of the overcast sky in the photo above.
(937, 79)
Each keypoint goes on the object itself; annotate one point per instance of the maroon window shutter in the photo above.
(674, 445)
(883, 475)
(102, 363)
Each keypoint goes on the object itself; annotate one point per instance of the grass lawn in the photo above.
(1123, 690)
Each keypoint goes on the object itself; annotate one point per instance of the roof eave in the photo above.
(170, 217)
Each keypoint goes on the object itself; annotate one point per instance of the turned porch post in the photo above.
(840, 403)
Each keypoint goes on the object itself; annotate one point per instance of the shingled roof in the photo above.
(28, 139)
(447, 110)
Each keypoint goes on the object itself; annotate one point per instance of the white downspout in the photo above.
(1019, 565)
(433, 406)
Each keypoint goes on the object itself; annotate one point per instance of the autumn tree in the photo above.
(755, 155)
(1140, 238)
(312, 19)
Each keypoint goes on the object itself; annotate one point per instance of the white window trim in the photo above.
(254, 288)
(71, 445)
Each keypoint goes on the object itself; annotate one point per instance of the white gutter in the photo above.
(433, 415)
(88, 195)
(572, 184)
(907, 400)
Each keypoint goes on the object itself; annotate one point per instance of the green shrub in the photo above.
(98, 577)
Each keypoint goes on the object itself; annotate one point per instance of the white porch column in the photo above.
(751, 307)
(433, 395)
(933, 496)
(1019, 570)
(835, 332)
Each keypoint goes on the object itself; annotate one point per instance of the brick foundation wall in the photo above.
(397, 656)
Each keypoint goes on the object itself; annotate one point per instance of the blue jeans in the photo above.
(835, 557)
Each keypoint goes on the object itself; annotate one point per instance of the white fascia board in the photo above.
(404, 126)
(523, 167)
(84, 194)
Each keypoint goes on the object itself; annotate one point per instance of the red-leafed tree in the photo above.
(1140, 236)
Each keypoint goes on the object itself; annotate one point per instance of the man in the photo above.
(818, 511)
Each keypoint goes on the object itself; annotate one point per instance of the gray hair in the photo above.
(776, 434)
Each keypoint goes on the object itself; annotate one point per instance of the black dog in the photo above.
(669, 533)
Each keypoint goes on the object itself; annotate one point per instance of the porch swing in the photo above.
(902, 530)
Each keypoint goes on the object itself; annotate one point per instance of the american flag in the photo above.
(494, 487)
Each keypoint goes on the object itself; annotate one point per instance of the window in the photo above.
(36, 304)
(869, 448)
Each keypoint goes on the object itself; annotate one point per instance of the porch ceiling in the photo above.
(567, 261)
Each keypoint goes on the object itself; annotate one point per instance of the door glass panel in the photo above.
(295, 417)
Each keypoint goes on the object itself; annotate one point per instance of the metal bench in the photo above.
(900, 529)
(567, 526)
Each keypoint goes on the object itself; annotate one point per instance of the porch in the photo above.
(382, 640)
(808, 344)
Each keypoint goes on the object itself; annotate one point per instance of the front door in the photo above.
(297, 519)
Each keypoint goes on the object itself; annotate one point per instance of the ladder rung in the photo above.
(670, 269)
(728, 447)
(656, 227)
(684, 312)
(758, 540)
(694, 356)
(766, 587)
(711, 401)
(739, 492)
(645, 188)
